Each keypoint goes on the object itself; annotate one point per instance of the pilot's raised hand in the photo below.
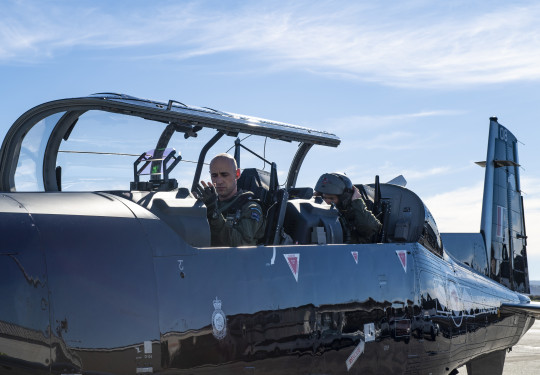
(207, 193)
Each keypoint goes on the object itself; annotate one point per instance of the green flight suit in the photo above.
(359, 224)
(238, 221)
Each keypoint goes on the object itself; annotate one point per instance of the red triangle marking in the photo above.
(293, 260)
(355, 256)
(402, 254)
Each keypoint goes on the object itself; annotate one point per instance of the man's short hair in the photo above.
(225, 156)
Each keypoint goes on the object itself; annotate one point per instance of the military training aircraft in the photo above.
(121, 278)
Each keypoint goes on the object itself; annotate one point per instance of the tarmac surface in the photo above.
(524, 359)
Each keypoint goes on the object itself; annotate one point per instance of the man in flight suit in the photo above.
(236, 217)
(359, 224)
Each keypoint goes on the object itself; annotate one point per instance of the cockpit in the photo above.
(81, 144)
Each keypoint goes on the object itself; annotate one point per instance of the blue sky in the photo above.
(408, 86)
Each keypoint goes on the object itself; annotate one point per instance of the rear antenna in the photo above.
(377, 198)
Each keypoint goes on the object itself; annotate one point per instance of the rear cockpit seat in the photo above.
(273, 201)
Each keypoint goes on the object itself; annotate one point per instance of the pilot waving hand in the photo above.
(235, 217)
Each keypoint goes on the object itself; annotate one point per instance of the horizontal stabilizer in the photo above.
(399, 180)
(499, 163)
(530, 309)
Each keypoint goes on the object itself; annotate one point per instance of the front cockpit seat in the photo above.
(265, 187)
(258, 182)
(275, 233)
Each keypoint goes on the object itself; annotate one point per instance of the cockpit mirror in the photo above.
(155, 163)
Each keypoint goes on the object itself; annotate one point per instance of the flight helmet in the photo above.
(336, 184)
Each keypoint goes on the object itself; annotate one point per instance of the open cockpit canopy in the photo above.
(100, 141)
(153, 153)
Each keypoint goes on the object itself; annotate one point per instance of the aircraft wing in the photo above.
(531, 309)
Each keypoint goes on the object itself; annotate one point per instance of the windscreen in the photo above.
(29, 172)
(102, 148)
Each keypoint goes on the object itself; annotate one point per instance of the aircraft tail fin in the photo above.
(503, 220)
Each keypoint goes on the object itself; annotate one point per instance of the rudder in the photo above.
(503, 221)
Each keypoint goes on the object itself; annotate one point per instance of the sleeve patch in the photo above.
(255, 214)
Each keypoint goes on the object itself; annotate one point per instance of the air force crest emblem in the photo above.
(219, 321)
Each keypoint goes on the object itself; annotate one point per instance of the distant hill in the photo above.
(535, 287)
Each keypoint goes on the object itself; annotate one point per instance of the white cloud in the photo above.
(379, 122)
(531, 203)
(460, 211)
(432, 172)
(457, 210)
(403, 45)
(396, 141)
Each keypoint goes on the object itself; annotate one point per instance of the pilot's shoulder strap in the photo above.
(238, 201)
(367, 199)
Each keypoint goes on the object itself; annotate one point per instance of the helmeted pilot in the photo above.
(235, 217)
(359, 224)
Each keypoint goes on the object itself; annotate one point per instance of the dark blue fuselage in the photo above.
(94, 283)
